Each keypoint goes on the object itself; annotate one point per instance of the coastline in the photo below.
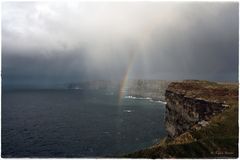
(213, 134)
(145, 98)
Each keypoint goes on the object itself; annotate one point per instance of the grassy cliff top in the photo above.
(209, 91)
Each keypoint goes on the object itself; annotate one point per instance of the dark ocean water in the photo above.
(75, 123)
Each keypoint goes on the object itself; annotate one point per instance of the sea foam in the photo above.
(147, 98)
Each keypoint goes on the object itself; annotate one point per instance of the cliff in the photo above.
(201, 121)
(154, 89)
(194, 102)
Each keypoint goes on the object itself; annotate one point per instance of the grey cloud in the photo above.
(45, 42)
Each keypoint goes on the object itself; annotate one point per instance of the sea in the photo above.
(78, 123)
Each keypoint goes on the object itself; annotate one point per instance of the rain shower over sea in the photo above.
(78, 123)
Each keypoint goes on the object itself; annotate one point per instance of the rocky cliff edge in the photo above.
(201, 120)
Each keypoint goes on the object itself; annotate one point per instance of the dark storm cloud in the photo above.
(47, 43)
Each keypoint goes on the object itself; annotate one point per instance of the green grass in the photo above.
(222, 125)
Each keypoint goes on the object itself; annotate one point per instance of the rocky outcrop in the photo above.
(192, 103)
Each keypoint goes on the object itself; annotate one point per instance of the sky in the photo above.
(51, 43)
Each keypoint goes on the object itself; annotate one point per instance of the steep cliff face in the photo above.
(154, 89)
(192, 103)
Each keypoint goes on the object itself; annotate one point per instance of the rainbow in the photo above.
(125, 78)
